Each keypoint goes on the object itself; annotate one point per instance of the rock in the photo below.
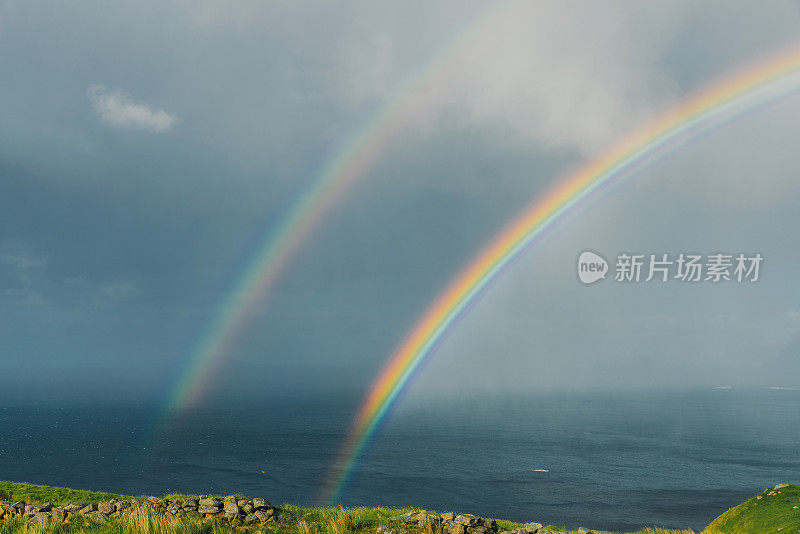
(456, 528)
(532, 528)
(231, 508)
(385, 529)
(39, 520)
(74, 507)
(97, 517)
(448, 516)
(584, 530)
(237, 511)
(261, 503)
(58, 514)
(263, 516)
(468, 520)
(779, 486)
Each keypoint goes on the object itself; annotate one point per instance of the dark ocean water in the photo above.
(610, 461)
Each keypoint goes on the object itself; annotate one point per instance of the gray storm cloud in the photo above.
(121, 249)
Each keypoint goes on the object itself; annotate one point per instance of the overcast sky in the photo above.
(147, 149)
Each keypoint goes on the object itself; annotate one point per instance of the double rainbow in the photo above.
(281, 244)
(755, 86)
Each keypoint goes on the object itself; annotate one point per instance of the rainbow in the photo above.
(762, 83)
(282, 243)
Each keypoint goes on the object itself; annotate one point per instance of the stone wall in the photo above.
(235, 511)
(450, 523)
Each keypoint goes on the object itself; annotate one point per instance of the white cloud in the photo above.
(570, 74)
(116, 109)
(575, 75)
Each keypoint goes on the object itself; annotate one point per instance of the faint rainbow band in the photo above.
(282, 243)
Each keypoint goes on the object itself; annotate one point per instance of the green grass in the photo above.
(762, 514)
(771, 514)
(11, 492)
(508, 525)
(367, 516)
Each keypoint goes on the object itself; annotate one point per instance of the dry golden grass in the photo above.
(144, 521)
(433, 529)
(304, 527)
(344, 521)
(19, 526)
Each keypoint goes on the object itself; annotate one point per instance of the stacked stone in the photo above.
(43, 513)
(450, 523)
(236, 511)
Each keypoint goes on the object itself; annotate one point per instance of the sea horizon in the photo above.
(612, 460)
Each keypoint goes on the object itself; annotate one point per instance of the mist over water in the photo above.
(614, 461)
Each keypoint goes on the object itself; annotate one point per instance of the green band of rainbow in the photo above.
(757, 85)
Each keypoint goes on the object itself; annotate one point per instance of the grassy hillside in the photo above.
(775, 510)
(20, 491)
(293, 519)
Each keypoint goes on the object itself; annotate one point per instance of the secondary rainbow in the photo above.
(745, 91)
(282, 243)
